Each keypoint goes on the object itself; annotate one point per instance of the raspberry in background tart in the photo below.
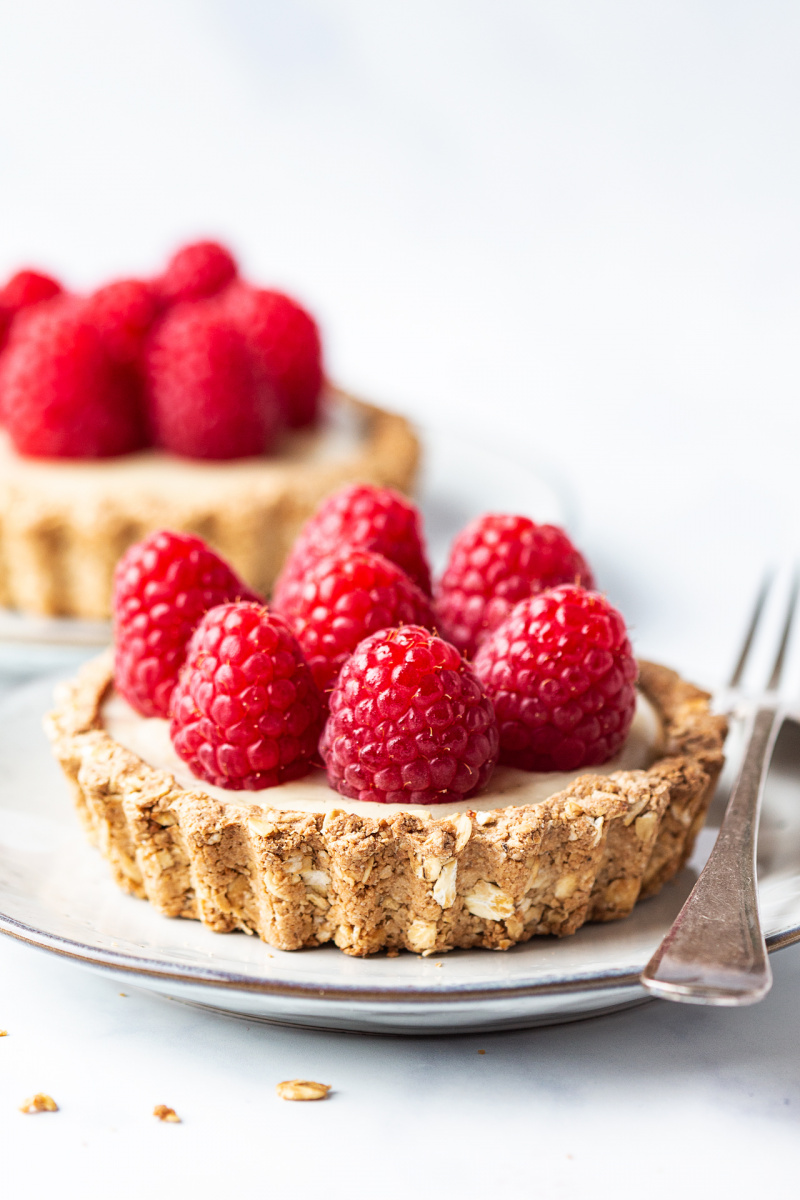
(23, 290)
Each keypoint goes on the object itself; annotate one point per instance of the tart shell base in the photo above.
(488, 879)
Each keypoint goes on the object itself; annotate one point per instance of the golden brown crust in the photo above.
(426, 884)
(59, 546)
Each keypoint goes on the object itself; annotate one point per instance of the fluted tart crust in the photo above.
(422, 883)
(64, 524)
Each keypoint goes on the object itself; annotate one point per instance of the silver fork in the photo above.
(715, 951)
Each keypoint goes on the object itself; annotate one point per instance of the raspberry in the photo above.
(496, 561)
(123, 312)
(204, 396)
(342, 599)
(246, 712)
(23, 290)
(195, 271)
(561, 673)
(62, 396)
(163, 585)
(364, 516)
(27, 288)
(409, 722)
(285, 341)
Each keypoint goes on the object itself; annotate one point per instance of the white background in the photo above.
(572, 231)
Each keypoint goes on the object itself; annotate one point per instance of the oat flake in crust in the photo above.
(65, 524)
(405, 881)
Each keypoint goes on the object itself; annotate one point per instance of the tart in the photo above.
(64, 523)
(301, 865)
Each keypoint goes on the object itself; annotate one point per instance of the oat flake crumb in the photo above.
(166, 1114)
(39, 1103)
(302, 1089)
(3, 1033)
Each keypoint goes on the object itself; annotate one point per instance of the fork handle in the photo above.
(715, 951)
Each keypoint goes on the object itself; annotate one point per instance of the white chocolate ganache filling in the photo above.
(149, 739)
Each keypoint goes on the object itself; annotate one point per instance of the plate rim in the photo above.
(120, 960)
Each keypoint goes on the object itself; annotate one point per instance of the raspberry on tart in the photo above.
(560, 672)
(246, 712)
(496, 561)
(24, 290)
(409, 722)
(124, 312)
(284, 340)
(197, 271)
(342, 599)
(364, 516)
(163, 586)
(63, 396)
(205, 396)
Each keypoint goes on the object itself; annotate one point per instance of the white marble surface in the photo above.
(660, 1095)
(572, 230)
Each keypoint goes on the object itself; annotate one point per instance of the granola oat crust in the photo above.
(64, 525)
(419, 883)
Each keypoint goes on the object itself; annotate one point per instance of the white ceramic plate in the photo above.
(56, 893)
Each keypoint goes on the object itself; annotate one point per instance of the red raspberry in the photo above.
(409, 722)
(496, 561)
(204, 396)
(62, 396)
(341, 600)
(561, 673)
(123, 312)
(163, 585)
(285, 342)
(246, 712)
(364, 516)
(26, 288)
(23, 290)
(195, 271)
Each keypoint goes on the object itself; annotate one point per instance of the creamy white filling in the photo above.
(149, 739)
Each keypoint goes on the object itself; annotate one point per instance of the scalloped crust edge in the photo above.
(428, 885)
(57, 555)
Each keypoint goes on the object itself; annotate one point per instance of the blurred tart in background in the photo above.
(193, 401)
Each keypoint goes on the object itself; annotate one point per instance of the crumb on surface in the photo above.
(39, 1103)
(302, 1089)
(3, 1033)
(166, 1114)
(481, 1052)
(124, 994)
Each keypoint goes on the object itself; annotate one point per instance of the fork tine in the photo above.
(780, 659)
(761, 600)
